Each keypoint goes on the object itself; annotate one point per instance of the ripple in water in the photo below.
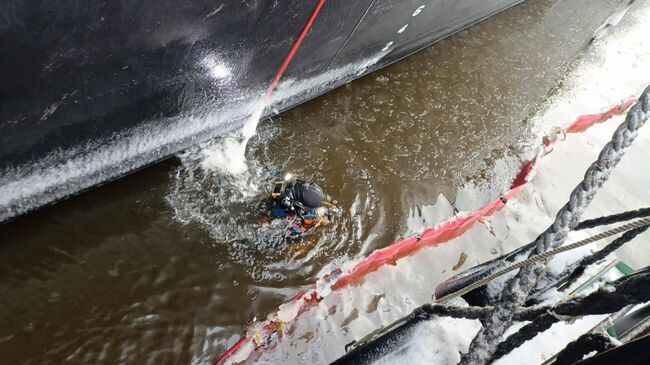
(230, 206)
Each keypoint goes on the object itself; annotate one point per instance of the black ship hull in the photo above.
(93, 91)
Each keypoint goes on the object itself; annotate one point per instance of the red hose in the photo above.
(294, 49)
(231, 350)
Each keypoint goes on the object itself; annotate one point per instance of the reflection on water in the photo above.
(168, 264)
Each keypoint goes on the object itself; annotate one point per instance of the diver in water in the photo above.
(303, 204)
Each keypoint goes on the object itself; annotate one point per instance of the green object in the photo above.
(624, 268)
(621, 266)
(611, 330)
(594, 278)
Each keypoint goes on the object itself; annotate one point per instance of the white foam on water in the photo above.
(65, 172)
(228, 154)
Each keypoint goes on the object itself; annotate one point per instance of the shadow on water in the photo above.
(166, 265)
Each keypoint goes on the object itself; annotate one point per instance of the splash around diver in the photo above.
(303, 204)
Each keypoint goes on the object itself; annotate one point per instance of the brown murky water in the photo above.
(114, 276)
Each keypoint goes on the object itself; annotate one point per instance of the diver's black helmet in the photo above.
(309, 195)
(312, 196)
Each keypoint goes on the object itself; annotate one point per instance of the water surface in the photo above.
(168, 264)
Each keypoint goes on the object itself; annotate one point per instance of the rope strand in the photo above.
(514, 295)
